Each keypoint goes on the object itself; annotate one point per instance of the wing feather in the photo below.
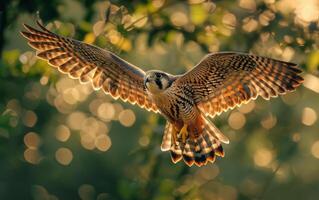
(222, 81)
(82, 61)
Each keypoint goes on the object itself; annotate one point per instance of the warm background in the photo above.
(61, 140)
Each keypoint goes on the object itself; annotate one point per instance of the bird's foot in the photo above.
(183, 133)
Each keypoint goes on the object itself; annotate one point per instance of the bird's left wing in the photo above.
(90, 63)
(221, 81)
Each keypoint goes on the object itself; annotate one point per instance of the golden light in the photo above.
(32, 156)
(236, 120)
(296, 137)
(265, 17)
(14, 105)
(62, 133)
(62, 106)
(311, 82)
(247, 108)
(103, 142)
(198, 13)
(27, 59)
(44, 80)
(118, 109)
(263, 157)
(282, 173)
(98, 28)
(75, 120)
(307, 11)
(84, 90)
(89, 38)
(158, 3)
(249, 25)
(269, 121)
(315, 149)
(64, 83)
(248, 4)
(70, 95)
(90, 126)
(87, 140)
(102, 128)
(29, 118)
(140, 20)
(125, 44)
(229, 20)
(32, 140)
(195, 1)
(309, 116)
(94, 105)
(114, 36)
(288, 54)
(179, 18)
(127, 118)
(64, 156)
(144, 141)
(269, 1)
(106, 111)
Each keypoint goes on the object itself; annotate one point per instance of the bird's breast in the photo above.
(175, 106)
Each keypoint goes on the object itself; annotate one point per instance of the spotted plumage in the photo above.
(220, 81)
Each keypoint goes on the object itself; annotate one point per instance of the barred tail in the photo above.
(200, 150)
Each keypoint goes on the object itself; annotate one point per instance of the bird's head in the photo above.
(157, 81)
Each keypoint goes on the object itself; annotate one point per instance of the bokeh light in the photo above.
(29, 118)
(103, 142)
(127, 118)
(263, 157)
(32, 140)
(64, 156)
(75, 120)
(269, 121)
(62, 133)
(236, 120)
(32, 156)
(315, 149)
(309, 116)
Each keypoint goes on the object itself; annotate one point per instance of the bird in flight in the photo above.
(219, 82)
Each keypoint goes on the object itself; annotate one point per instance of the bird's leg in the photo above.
(174, 134)
(183, 133)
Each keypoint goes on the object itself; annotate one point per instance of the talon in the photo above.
(183, 133)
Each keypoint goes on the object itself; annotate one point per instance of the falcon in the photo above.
(219, 82)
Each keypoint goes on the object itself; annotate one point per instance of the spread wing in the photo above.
(221, 81)
(90, 63)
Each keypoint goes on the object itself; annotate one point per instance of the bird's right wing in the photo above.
(221, 81)
(89, 63)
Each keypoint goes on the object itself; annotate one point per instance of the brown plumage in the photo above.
(220, 81)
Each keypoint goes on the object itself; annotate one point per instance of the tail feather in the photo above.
(200, 150)
(176, 153)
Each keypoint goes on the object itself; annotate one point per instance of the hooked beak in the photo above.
(147, 80)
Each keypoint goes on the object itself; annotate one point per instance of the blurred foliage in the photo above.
(62, 140)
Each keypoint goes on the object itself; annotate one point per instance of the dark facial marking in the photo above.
(159, 83)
